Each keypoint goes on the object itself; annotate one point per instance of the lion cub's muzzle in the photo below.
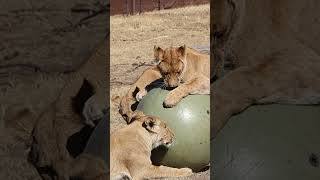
(170, 85)
(168, 143)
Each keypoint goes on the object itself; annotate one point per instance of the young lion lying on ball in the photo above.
(182, 68)
(131, 150)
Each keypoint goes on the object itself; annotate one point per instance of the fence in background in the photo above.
(137, 6)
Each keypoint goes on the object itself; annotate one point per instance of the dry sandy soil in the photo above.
(132, 39)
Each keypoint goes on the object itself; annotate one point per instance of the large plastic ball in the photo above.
(190, 122)
(269, 142)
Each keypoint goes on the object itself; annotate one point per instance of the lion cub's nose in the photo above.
(169, 143)
(171, 87)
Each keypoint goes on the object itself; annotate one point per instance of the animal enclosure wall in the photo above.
(138, 6)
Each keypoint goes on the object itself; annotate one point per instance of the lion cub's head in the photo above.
(172, 64)
(158, 130)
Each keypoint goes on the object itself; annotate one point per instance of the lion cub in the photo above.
(184, 69)
(130, 150)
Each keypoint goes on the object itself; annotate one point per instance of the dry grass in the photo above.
(132, 39)
(133, 36)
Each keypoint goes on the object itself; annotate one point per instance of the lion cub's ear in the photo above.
(158, 54)
(182, 50)
(150, 124)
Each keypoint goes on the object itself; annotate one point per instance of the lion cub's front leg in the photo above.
(164, 171)
(141, 94)
(147, 77)
(198, 85)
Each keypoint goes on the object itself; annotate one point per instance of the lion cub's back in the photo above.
(204, 60)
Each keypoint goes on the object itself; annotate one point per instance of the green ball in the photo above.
(190, 122)
(269, 142)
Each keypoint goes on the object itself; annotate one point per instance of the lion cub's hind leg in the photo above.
(164, 171)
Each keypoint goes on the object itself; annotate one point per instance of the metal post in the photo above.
(127, 7)
(133, 6)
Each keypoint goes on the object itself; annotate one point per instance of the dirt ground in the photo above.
(132, 39)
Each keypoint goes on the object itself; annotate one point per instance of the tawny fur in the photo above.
(89, 167)
(182, 68)
(130, 150)
(276, 50)
(59, 121)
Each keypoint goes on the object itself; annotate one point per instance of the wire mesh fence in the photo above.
(128, 7)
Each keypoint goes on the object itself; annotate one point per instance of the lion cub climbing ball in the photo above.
(190, 122)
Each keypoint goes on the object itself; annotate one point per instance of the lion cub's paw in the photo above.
(141, 94)
(125, 108)
(171, 100)
(185, 171)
